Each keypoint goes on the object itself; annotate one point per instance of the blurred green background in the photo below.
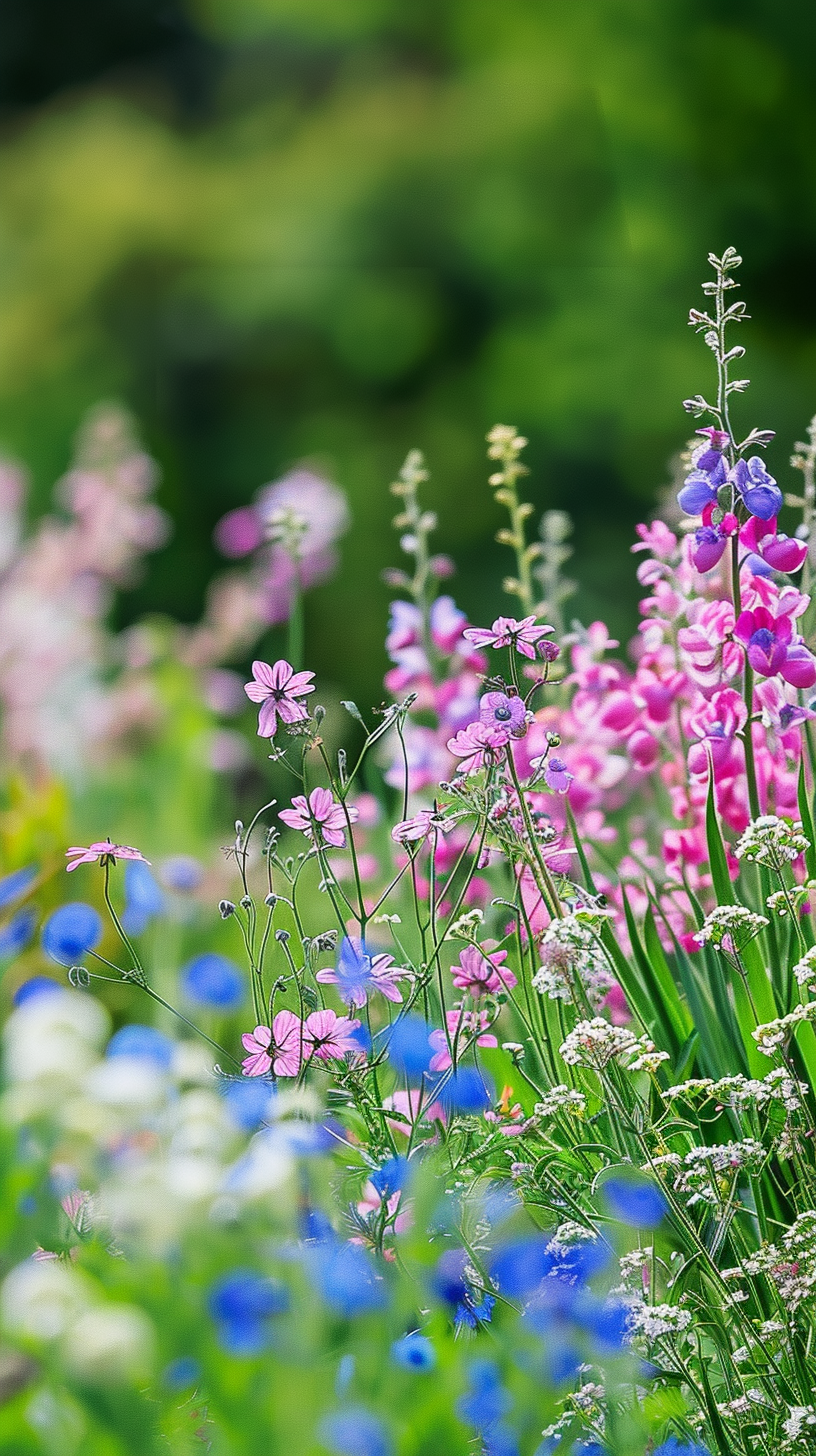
(335, 229)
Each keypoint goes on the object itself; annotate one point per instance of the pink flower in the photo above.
(277, 690)
(772, 648)
(470, 1025)
(478, 972)
(410, 1105)
(410, 830)
(506, 716)
(320, 812)
(508, 632)
(280, 1048)
(769, 551)
(474, 744)
(103, 851)
(327, 1035)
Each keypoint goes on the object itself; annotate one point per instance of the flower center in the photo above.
(503, 713)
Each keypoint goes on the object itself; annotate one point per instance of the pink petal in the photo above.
(257, 1065)
(256, 691)
(335, 837)
(321, 804)
(280, 674)
(299, 684)
(264, 674)
(291, 712)
(268, 719)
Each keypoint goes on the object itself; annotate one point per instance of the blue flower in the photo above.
(181, 1373)
(145, 1042)
(701, 486)
(36, 986)
(15, 936)
(248, 1102)
(212, 980)
(466, 1090)
(143, 898)
(760, 493)
(355, 1432)
(487, 1400)
(242, 1303)
(14, 885)
(519, 1268)
(71, 931)
(607, 1321)
(409, 1050)
(448, 1278)
(500, 1440)
(390, 1178)
(472, 1312)
(414, 1352)
(345, 1375)
(635, 1201)
(352, 973)
(344, 1277)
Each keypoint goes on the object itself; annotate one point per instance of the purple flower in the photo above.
(476, 743)
(277, 690)
(635, 1202)
(771, 647)
(506, 716)
(508, 632)
(355, 1432)
(557, 776)
(357, 973)
(759, 491)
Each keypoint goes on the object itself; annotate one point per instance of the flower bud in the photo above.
(225, 909)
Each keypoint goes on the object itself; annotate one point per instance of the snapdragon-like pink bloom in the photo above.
(768, 551)
(277, 689)
(772, 648)
(280, 1048)
(470, 1026)
(327, 1035)
(481, 972)
(104, 852)
(508, 632)
(410, 830)
(319, 812)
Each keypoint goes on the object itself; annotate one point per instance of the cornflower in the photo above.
(277, 689)
(320, 812)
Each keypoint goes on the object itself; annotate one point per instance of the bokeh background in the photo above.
(335, 229)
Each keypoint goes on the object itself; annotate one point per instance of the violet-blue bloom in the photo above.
(414, 1352)
(344, 1277)
(635, 1201)
(181, 1373)
(242, 1303)
(673, 1447)
(249, 1101)
(212, 980)
(409, 1048)
(519, 1268)
(506, 715)
(144, 1042)
(36, 986)
(16, 884)
(487, 1400)
(143, 898)
(71, 931)
(391, 1177)
(699, 491)
(759, 491)
(15, 936)
(467, 1090)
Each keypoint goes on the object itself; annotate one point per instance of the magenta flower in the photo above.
(772, 648)
(481, 973)
(280, 1048)
(506, 716)
(327, 1035)
(507, 632)
(768, 551)
(104, 852)
(277, 690)
(410, 830)
(320, 812)
(476, 743)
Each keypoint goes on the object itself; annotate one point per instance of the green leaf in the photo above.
(807, 820)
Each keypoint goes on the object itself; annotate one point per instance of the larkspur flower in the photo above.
(320, 811)
(506, 716)
(508, 632)
(771, 647)
(327, 1035)
(103, 851)
(482, 973)
(277, 689)
(280, 1048)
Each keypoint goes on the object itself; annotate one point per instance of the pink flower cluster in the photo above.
(285, 1048)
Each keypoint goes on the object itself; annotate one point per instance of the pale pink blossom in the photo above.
(327, 1035)
(319, 812)
(277, 689)
(281, 1048)
(508, 632)
(104, 852)
(482, 972)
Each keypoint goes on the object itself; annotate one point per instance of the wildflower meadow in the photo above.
(465, 1101)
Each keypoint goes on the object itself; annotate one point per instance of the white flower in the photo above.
(40, 1300)
(772, 841)
(653, 1321)
(110, 1345)
(561, 1098)
(730, 927)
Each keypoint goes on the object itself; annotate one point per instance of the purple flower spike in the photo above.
(759, 491)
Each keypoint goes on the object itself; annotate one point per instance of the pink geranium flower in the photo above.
(481, 973)
(277, 690)
(327, 1035)
(476, 743)
(104, 852)
(507, 632)
(319, 812)
(281, 1048)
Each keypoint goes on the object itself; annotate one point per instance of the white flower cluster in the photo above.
(790, 1263)
(570, 948)
(707, 1172)
(654, 1321)
(805, 969)
(790, 901)
(561, 1098)
(771, 1035)
(732, 924)
(800, 1417)
(740, 1092)
(597, 1042)
(772, 841)
(51, 1305)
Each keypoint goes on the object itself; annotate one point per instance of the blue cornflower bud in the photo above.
(414, 1352)
(212, 980)
(71, 931)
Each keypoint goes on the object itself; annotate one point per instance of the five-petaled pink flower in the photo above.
(104, 852)
(507, 632)
(474, 744)
(277, 690)
(481, 973)
(327, 1035)
(280, 1048)
(320, 812)
(464, 1027)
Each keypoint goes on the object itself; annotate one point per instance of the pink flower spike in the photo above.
(104, 852)
(277, 690)
(320, 812)
(327, 1035)
(508, 632)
